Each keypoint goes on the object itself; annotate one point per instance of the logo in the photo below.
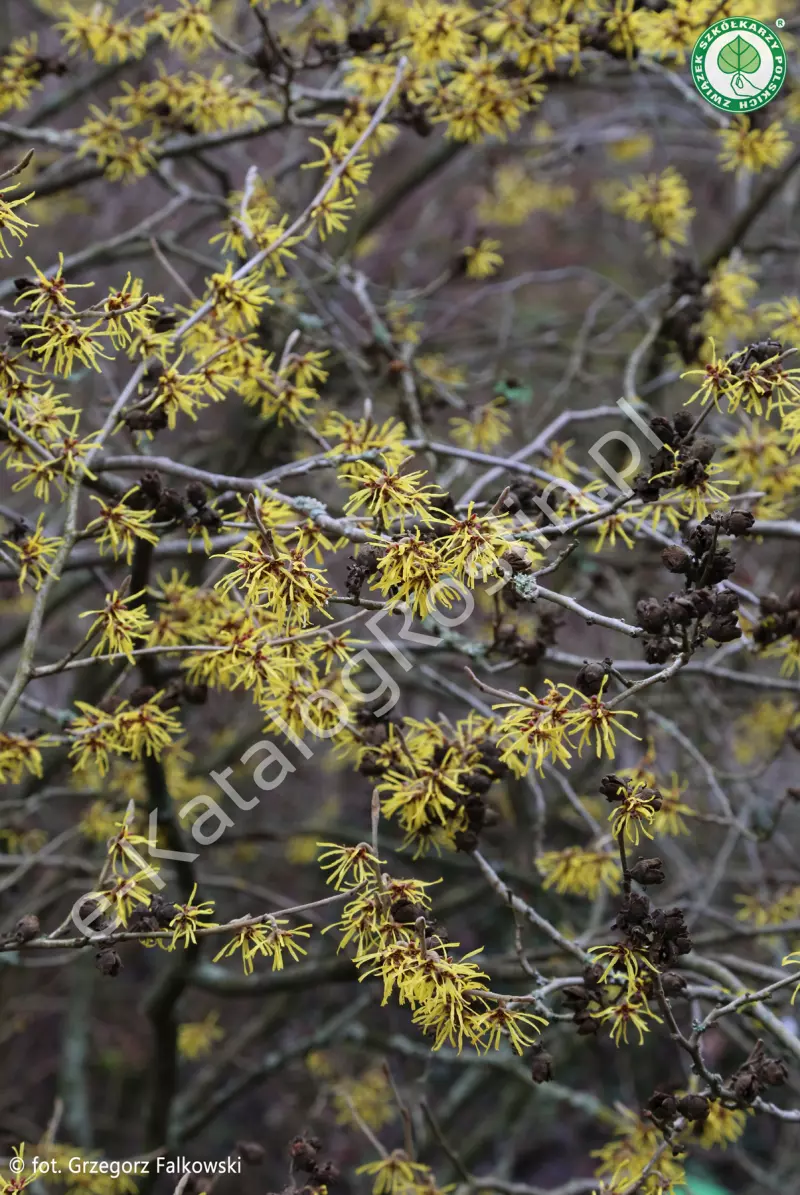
(738, 64)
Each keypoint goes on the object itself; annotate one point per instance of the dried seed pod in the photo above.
(724, 630)
(196, 493)
(740, 522)
(676, 559)
(27, 928)
(702, 448)
(613, 787)
(694, 1106)
(541, 1066)
(658, 649)
(108, 962)
(673, 983)
(591, 676)
(651, 615)
(648, 871)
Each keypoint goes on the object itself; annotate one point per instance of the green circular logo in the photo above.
(738, 64)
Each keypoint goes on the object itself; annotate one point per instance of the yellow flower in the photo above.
(395, 1174)
(64, 342)
(631, 1011)
(189, 918)
(482, 260)
(238, 302)
(514, 196)
(484, 428)
(501, 1022)
(621, 957)
(284, 580)
(125, 892)
(579, 872)
(623, 1159)
(662, 203)
(594, 718)
(635, 811)
(390, 495)
(722, 1126)
(197, 1038)
(669, 818)
(10, 220)
(746, 148)
(369, 1094)
(409, 569)
(783, 319)
(189, 26)
(719, 381)
(438, 32)
(331, 214)
(350, 866)
(19, 754)
(121, 526)
(265, 938)
(727, 295)
(34, 551)
(120, 625)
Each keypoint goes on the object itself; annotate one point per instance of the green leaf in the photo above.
(514, 392)
(739, 57)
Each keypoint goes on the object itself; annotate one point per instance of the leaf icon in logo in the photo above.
(738, 58)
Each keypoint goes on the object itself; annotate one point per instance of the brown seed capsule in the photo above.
(477, 782)
(693, 1106)
(542, 1066)
(673, 983)
(653, 795)
(591, 676)
(163, 910)
(703, 448)
(740, 522)
(679, 609)
(676, 559)
(150, 483)
(592, 975)
(196, 493)
(775, 1072)
(648, 871)
(658, 649)
(724, 630)
(663, 429)
(361, 40)
(725, 601)
(142, 920)
(518, 560)
(587, 1024)
(702, 600)
(650, 614)
(770, 603)
(325, 1173)
(662, 1106)
(108, 962)
(746, 1085)
(466, 840)
(613, 788)
(26, 928)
